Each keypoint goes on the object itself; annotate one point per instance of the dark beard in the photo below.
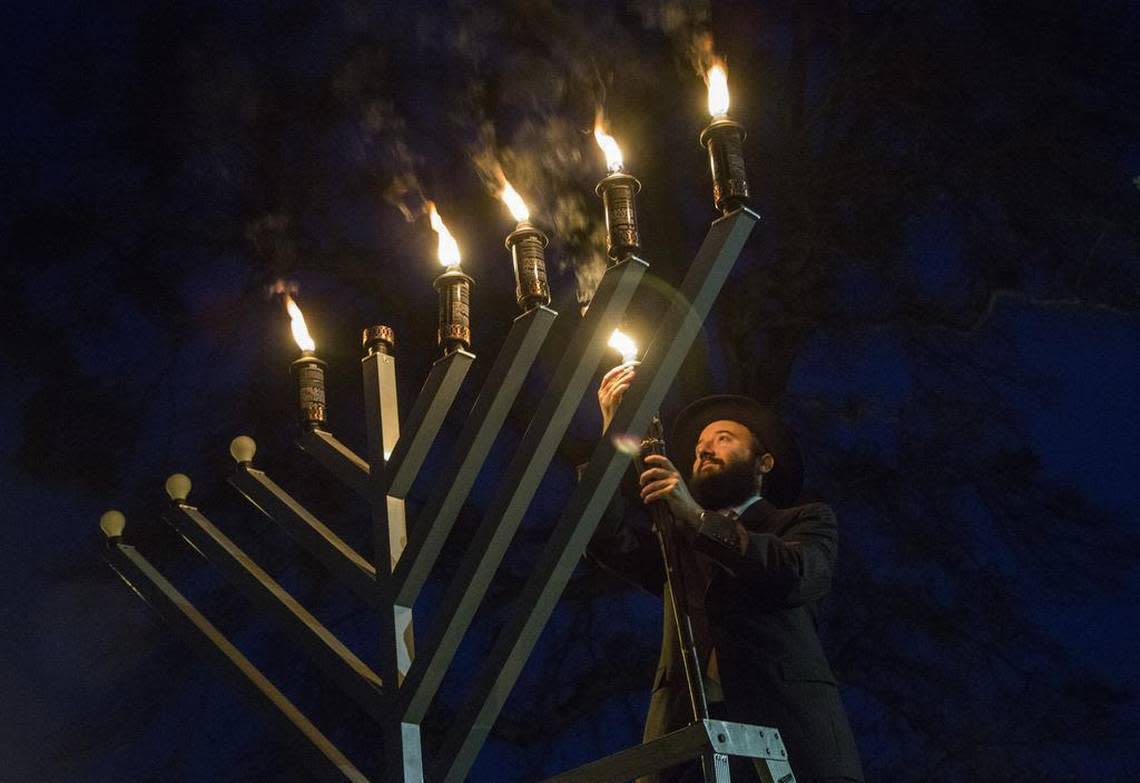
(730, 486)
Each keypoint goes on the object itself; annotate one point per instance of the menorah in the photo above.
(397, 692)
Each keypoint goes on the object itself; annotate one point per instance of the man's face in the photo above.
(724, 465)
(720, 443)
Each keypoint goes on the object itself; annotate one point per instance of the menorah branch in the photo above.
(425, 419)
(337, 458)
(320, 755)
(327, 652)
(338, 557)
(481, 427)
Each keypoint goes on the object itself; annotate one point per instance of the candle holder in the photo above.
(454, 289)
(310, 374)
(617, 191)
(724, 139)
(527, 245)
(378, 339)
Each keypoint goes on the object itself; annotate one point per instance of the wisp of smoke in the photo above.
(686, 23)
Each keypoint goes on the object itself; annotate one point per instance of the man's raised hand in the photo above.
(612, 388)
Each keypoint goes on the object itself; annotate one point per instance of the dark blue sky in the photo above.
(949, 249)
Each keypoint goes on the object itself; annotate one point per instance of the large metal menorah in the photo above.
(398, 691)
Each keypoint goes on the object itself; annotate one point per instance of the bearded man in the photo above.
(754, 566)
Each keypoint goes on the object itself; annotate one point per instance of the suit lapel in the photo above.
(760, 517)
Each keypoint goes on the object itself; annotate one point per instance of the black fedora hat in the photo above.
(783, 484)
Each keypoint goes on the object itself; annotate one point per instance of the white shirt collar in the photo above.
(739, 510)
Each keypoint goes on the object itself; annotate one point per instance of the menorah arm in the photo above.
(323, 647)
(320, 755)
(480, 428)
(337, 458)
(418, 431)
(338, 557)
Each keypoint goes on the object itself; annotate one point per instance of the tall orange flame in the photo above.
(609, 145)
(514, 202)
(717, 78)
(448, 247)
(297, 324)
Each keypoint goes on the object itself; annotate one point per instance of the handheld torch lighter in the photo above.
(663, 526)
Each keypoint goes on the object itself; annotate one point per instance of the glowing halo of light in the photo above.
(626, 443)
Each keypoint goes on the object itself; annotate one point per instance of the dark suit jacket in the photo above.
(760, 608)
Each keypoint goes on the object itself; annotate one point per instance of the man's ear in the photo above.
(766, 463)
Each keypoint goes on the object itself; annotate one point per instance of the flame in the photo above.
(297, 324)
(718, 89)
(448, 248)
(514, 202)
(609, 145)
(623, 344)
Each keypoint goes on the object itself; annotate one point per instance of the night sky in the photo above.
(943, 298)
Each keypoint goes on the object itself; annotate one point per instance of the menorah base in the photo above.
(719, 737)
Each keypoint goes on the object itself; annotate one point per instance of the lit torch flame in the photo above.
(609, 146)
(718, 89)
(623, 344)
(297, 324)
(514, 202)
(448, 247)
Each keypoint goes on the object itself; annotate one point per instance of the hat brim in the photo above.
(783, 484)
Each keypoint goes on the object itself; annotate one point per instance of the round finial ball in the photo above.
(112, 523)
(178, 486)
(242, 449)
